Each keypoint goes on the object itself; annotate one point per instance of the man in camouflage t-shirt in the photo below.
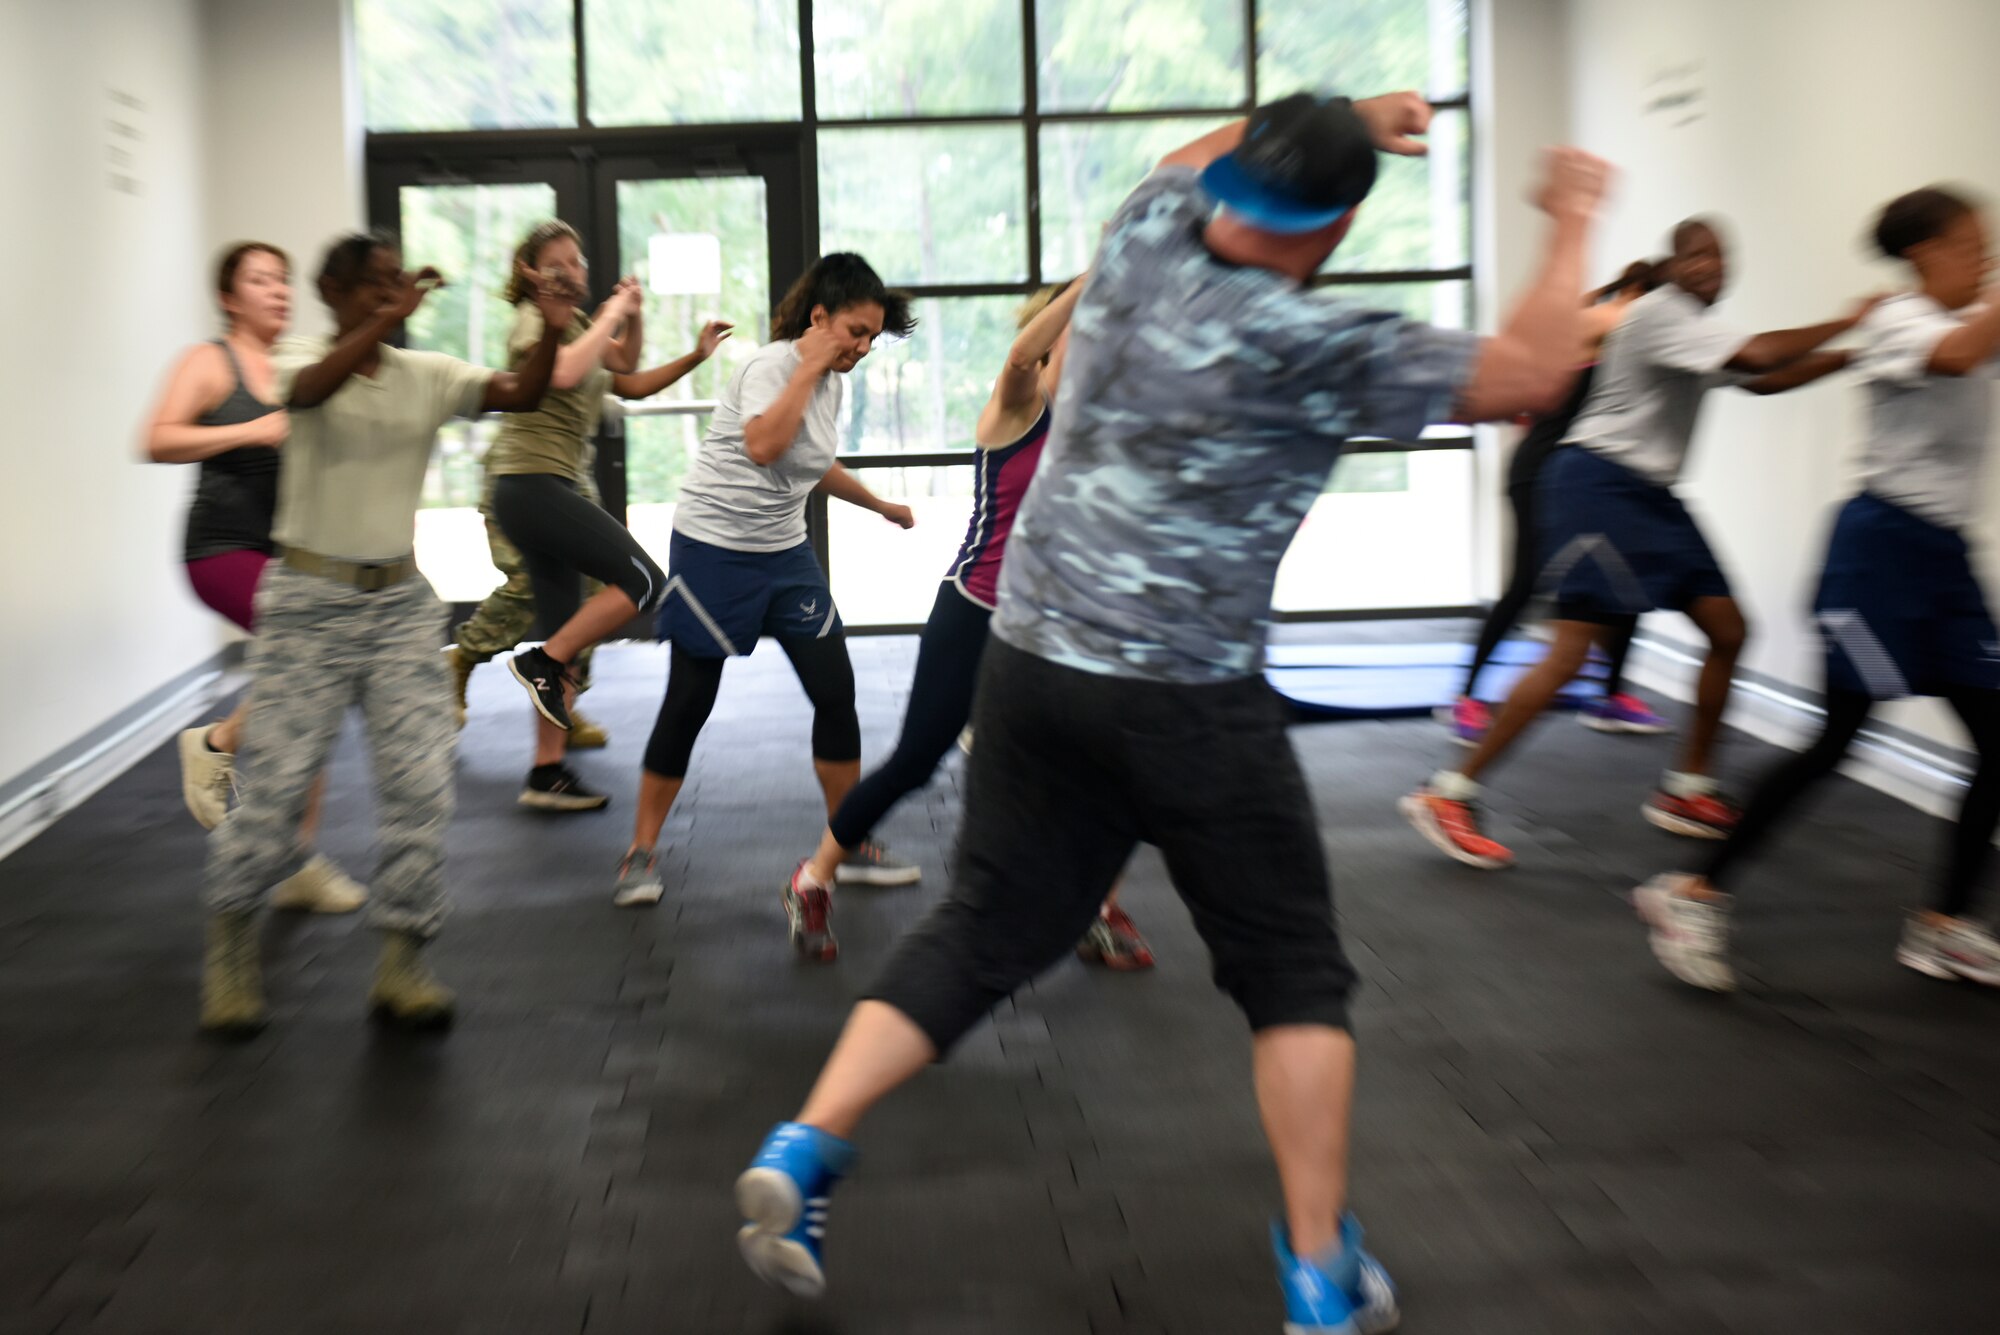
(1206, 396)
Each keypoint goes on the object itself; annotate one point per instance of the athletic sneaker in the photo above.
(1468, 719)
(1950, 948)
(1351, 1296)
(208, 777)
(556, 788)
(1689, 933)
(1623, 713)
(784, 1195)
(586, 734)
(543, 679)
(1702, 816)
(870, 863)
(1114, 941)
(809, 911)
(1453, 827)
(319, 887)
(639, 884)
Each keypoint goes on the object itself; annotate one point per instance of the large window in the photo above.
(973, 150)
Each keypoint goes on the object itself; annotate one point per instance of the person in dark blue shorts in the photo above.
(1899, 609)
(1617, 541)
(739, 566)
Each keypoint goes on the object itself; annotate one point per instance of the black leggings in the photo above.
(948, 657)
(824, 670)
(1523, 495)
(562, 537)
(1969, 844)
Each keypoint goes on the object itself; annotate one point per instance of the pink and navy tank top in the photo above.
(1000, 480)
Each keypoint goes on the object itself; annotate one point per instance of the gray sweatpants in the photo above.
(321, 646)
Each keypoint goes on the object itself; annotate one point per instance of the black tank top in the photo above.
(1545, 435)
(236, 495)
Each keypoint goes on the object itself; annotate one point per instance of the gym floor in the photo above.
(1550, 1137)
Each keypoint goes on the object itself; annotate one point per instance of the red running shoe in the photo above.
(1705, 816)
(1114, 941)
(1453, 827)
(809, 911)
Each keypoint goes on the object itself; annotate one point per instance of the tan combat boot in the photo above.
(232, 978)
(461, 673)
(586, 734)
(405, 991)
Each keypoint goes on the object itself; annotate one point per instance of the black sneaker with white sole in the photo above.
(543, 678)
(556, 788)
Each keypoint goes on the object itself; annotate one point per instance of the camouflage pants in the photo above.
(508, 615)
(321, 647)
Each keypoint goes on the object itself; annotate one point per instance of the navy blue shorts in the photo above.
(718, 601)
(1617, 545)
(1899, 609)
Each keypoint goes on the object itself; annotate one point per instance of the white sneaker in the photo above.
(208, 777)
(319, 887)
(1689, 934)
(1949, 948)
(639, 885)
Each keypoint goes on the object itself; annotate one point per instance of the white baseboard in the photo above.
(55, 789)
(1925, 774)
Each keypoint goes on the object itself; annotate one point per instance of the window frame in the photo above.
(586, 144)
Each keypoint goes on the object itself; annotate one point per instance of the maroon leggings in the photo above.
(228, 583)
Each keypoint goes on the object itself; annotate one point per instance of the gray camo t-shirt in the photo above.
(1202, 406)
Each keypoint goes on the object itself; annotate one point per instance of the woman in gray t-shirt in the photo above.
(739, 565)
(1899, 608)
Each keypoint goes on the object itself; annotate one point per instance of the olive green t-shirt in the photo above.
(556, 437)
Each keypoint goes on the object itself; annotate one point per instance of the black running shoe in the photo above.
(543, 677)
(555, 788)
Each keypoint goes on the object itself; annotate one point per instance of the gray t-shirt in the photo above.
(354, 465)
(1927, 434)
(730, 500)
(1663, 357)
(1202, 406)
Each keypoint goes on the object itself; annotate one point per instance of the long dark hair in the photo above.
(1920, 216)
(836, 282)
(1642, 274)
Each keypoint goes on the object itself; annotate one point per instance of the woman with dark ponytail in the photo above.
(1898, 606)
(740, 567)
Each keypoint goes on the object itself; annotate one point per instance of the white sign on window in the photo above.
(685, 264)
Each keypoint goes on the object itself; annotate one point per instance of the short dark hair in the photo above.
(348, 256)
(232, 260)
(836, 282)
(1920, 216)
(1687, 227)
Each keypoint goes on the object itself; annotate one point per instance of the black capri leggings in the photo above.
(824, 670)
(940, 705)
(1969, 843)
(562, 537)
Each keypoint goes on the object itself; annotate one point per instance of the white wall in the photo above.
(242, 129)
(107, 285)
(1795, 121)
(283, 131)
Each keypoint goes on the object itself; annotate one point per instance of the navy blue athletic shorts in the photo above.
(1617, 545)
(1899, 609)
(718, 602)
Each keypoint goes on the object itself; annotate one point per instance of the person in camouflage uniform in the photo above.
(1206, 397)
(344, 620)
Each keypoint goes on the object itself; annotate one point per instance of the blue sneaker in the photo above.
(783, 1193)
(1355, 1297)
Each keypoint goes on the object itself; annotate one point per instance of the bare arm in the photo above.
(645, 384)
(1780, 347)
(1802, 371)
(1017, 394)
(194, 387)
(1970, 346)
(597, 346)
(316, 384)
(768, 435)
(1530, 364)
(842, 485)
